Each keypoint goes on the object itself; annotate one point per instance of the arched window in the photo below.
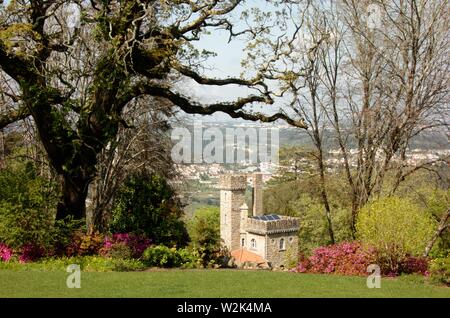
(243, 242)
(253, 244)
(282, 244)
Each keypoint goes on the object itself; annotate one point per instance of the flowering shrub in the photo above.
(136, 244)
(348, 258)
(85, 244)
(351, 258)
(411, 264)
(31, 252)
(5, 252)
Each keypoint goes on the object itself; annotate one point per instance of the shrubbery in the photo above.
(397, 228)
(353, 258)
(27, 214)
(123, 243)
(27, 207)
(414, 265)
(348, 258)
(163, 256)
(5, 252)
(440, 270)
(87, 263)
(204, 230)
(146, 205)
(85, 244)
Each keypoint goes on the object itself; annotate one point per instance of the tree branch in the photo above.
(14, 66)
(186, 71)
(13, 116)
(233, 109)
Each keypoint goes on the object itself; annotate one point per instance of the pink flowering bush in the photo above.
(351, 258)
(348, 258)
(136, 243)
(5, 252)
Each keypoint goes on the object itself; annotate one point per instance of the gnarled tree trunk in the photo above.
(73, 200)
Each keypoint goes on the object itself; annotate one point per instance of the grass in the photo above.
(208, 283)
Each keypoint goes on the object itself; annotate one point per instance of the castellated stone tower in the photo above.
(265, 240)
(232, 198)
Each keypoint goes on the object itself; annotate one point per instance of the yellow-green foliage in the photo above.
(440, 270)
(16, 31)
(395, 226)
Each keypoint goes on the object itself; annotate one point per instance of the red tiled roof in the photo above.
(243, 255)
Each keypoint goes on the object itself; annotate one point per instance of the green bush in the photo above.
(87, 263)
(119, 251)
(204, 227)
(64, 232)
(440, 270)
(27, 207)
(313, 232)
(147, 205)
(163, 256)
(204, 230)
(396, 228)
(191, 258)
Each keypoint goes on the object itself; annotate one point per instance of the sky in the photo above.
(227, 63)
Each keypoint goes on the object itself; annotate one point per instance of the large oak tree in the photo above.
(74, 77)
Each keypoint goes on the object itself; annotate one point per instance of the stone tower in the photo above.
(232, 198)
(257, 194)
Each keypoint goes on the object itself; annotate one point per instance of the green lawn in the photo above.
(207, 283)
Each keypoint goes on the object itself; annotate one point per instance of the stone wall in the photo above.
(233, 182)
(260, 244)
(278, 257)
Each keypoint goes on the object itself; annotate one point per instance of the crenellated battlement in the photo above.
(284, 225)
(233, 182)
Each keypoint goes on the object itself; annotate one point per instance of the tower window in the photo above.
(243, 242)
(253, 244)
(282, 244)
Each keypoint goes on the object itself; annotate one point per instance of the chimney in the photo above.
(257, 194)
(244, 216)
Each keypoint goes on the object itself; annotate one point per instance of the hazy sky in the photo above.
(226, 63)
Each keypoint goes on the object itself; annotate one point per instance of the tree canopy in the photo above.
(74, 66)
